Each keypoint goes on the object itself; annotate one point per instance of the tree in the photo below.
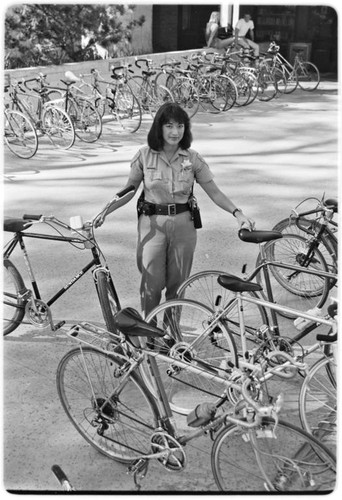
(52, 33)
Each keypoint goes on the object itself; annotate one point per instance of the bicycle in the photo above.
(83, 114)
(19, 134)
(20, 301)
(301, 73)
(319, 231)
(104, 396)
(115, 98)
(150, 95)
(318, 394)
(48, 120)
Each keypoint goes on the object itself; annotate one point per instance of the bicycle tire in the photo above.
(20, 135)
(299, 290)
(126, 110)
(86, 119)
(244, 89)
(203, 287)
(252, 80)
(212, 93)
(308, 76)
(291, 78)
(58, 127)
(183, 321)
(13, 305)
(185, 95)
(328, 245)
(318, 401)
(276, 457)
(267, 86)
(117, 425)
(231, 91)
(108, 298)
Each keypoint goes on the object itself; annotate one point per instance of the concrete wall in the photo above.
(55, 73)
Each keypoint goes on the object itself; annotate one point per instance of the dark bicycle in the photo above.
(20, 301)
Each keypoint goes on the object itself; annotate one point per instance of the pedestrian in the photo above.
(168, 167)
(246, 25)
(212, 33)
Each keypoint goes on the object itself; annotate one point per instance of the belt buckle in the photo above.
(171, 209)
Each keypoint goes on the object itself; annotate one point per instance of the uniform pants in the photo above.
(165, 251)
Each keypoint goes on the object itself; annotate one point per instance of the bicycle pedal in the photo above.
(57, 326)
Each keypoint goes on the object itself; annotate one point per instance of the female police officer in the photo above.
(166, 233)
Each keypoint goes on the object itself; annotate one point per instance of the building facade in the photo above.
(172, 27)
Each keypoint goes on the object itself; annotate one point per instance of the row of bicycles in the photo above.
(82, 105)
(213, 356)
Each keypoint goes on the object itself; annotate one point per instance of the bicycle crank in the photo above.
(38, 313)
(169, 451)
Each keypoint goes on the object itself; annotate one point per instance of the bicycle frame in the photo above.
(94, 264)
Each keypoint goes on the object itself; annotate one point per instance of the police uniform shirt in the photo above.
(169, 181)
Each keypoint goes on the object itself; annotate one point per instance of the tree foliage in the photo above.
(42, 34)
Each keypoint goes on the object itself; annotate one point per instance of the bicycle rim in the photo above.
(184, 321)
(296, 289)
(58, 127)
(203, 287)
(276, 457)
(308, 76)
(13, 305)
(116, 419)
(318, 402)
(127, 110)
(86, 120)
(20, 135)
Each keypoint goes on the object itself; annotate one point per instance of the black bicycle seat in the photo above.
(236, 284)
(12, 225)
(259, 236)
(130, 323)
(331, 203)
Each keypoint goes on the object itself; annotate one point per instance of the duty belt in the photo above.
(165, 209)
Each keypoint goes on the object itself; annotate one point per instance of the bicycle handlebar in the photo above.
(32, 217)
(145, 60)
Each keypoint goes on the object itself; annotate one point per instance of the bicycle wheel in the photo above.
(250, 76)
(296, 289)
(203, 287)
(231, 91)
(138, 87)
(275, 456)
(308, 76)
(159, 95)
(244, 89)
(280, 80)
(183, 322)
(291, 78)
(108, 298)
(117, 418)
(85, 118)
(13, 303)
(216, 94)
(327, 244)
(126, 110)
(58, 127)
(318, 402)
(267, 86)
(20, 135)
(185, 94)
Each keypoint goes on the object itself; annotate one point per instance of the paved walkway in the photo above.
(267, 157)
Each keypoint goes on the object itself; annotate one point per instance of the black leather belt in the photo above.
(165, 209)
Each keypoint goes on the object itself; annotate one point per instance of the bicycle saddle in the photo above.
(130, 323)
(15, 225)
(259, 236)
(236, 284)
(332, 204)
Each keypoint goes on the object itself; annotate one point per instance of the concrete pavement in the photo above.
(267, 157)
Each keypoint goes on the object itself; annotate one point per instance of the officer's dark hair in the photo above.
(169, 111)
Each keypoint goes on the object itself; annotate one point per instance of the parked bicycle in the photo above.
(102, 392)
(19, 134)
(20, 302)
(301, 73)
(86, 120)
(113, 99)
(48, 120)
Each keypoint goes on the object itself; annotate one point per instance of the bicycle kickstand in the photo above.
(138, 469)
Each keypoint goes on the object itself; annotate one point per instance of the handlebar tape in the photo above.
(31, 217)
(327, 338)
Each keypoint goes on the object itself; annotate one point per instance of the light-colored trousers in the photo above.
(165, 251)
